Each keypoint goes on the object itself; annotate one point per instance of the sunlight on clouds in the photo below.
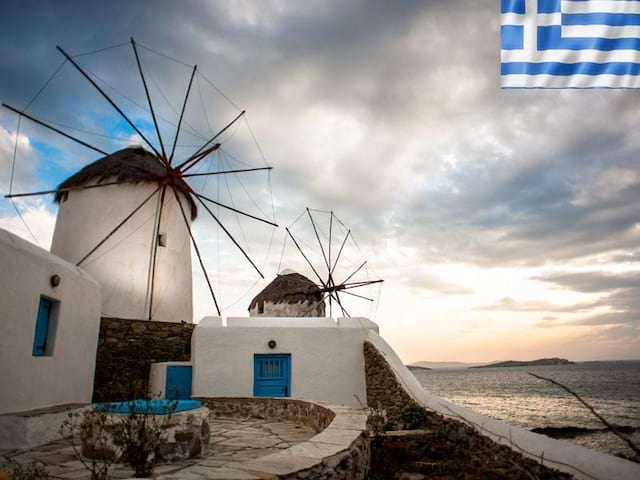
(39, 218)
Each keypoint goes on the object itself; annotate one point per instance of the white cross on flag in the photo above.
(570, 44)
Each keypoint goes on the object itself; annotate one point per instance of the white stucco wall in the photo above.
(582, 463)
(28, 382)
(122, 264)
(327, 362)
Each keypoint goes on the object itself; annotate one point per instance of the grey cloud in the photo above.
(388, 113)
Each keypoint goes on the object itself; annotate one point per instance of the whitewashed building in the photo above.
(50, 316)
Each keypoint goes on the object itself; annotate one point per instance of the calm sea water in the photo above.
(510, 394)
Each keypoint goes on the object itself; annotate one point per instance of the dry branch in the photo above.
(611, 427)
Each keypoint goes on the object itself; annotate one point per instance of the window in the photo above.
(162, 239)
(45, 326)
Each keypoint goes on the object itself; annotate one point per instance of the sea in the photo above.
(512, 395)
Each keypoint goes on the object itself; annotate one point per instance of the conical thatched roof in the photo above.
(129, 165)
(288, 288)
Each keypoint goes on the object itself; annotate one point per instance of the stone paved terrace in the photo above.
(233, 441)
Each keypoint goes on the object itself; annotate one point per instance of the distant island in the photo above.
(445, 365)
(418, 368)
(531, 363)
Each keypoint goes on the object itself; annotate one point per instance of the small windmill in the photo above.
(328, 285)
(166, 185)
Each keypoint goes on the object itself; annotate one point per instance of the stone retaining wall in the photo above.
(340, 451)
(280, 409)
(127, 348)
(383, 389)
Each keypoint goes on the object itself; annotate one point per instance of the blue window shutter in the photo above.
(42, 328)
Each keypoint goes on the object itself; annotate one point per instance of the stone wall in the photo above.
(340, 451)
(279, 409)
(127, 348)
(383, 389)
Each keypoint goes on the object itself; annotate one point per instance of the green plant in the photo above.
(140, 435)
(32, 470)
(133, 437)
(95, 452)
(413, 416)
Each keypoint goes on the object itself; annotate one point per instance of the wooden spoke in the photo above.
(146, 91)
(234, 209)
(154, 250)
(197, 250)
(57, 130)
(117, 227)
(224, 172)
(184, 105)
(179, 167)
(60, 190)
(113, 104)
(228, 234)
(305, 257)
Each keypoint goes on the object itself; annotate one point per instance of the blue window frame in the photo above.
(43, 323)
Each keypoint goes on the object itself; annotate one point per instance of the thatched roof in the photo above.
(288, 288)
(129, 165)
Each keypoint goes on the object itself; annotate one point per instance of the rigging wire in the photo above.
(192, 131)
(91, 52)
(33, 99)
(219, 91)
(164, 55)
(236, 213)
(15, 150)
(128, 98)
(244, 188)
(24, 222)
(119, 241)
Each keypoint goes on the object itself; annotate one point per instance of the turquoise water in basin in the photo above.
(153, 407)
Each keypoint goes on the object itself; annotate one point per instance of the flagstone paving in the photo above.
(232, 441)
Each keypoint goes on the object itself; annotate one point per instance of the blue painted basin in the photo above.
(153, 407)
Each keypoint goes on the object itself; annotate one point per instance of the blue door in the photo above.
(272, 375)
(178, 385)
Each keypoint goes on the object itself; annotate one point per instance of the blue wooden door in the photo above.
(272, 375)
(178, 385)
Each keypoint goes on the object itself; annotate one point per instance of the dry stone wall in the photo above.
(383, 389)
(127, 348)
(340, 451)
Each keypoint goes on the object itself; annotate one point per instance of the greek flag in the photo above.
(570, 44)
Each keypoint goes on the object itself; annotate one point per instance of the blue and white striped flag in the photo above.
(570, 44)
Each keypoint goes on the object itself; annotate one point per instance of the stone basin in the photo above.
(184, 425)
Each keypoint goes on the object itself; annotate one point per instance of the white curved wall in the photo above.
(65, 375)
(122, 264)
(581, 462)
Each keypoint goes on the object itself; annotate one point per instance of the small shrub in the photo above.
(91, 427)
(413, 416)
(33, 470)
(140, 435)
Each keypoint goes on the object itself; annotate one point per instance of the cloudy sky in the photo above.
(506, 224)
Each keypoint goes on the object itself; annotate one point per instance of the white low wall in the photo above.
(582, 463)
(65, 376)
(326, 357)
